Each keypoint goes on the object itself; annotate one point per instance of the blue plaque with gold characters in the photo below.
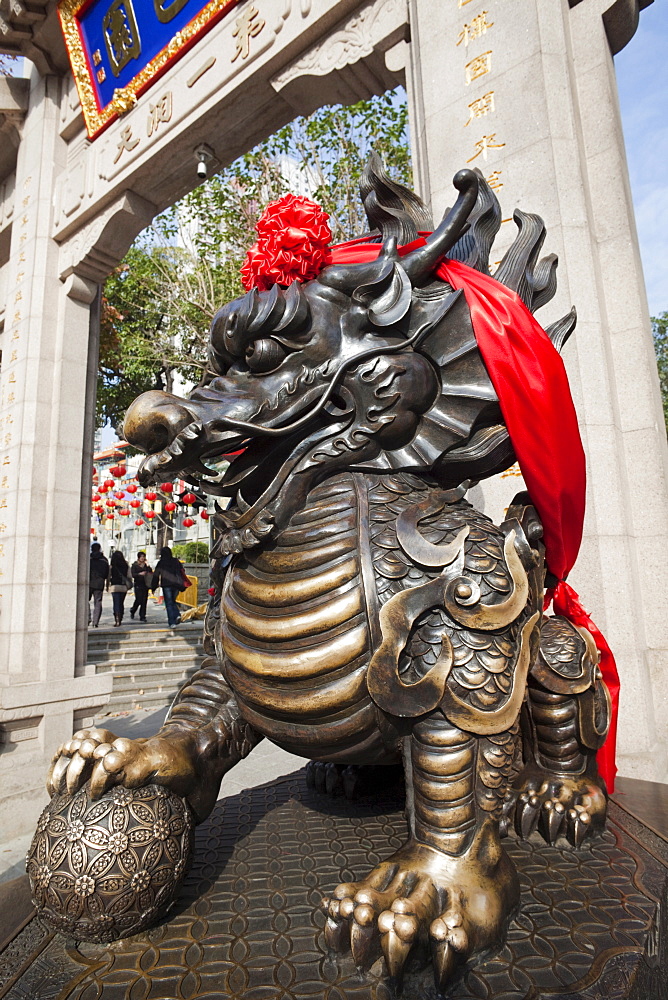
(117, 48)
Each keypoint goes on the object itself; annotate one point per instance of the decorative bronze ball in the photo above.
(107, 869)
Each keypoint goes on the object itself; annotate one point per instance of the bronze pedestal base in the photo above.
(247, 923)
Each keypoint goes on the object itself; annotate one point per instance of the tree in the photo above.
(660, 335)
(158, 304)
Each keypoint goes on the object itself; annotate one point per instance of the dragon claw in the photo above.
(558, 806)
(420, 895)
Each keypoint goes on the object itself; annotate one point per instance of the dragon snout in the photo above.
(154, 419)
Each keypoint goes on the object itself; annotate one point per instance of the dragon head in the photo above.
(369, 366)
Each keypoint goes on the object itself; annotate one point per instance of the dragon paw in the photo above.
(459, 906)
(96, 754)
(554, 806)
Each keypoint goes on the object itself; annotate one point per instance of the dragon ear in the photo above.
(388, 297)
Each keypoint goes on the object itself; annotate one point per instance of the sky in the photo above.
(642, 80)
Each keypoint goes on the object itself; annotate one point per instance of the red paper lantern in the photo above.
(111, 503)
(204, 515)
(119, 495)
(151, 496)
(103, 489)
(96, 497)
(188, 522)
(167, 487)
(188, 498)
(139, 522)
(150, 514)
(109, 483)
(131, 488)
(135, 503)
(99, 510)
(170, 506)
(125, 512)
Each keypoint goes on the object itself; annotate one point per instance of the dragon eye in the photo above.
(264, 356)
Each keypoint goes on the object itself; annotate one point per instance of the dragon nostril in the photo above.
(157, 437)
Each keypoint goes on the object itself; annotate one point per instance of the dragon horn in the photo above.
(422, 262)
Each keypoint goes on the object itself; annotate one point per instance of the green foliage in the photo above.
(158, 304)
(660, 334)
(323, 154)
(156, 292)
(191, 552)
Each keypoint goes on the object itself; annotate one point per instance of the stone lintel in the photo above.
(94, 250)
(620, 20)
(14, 95)
(210, 96)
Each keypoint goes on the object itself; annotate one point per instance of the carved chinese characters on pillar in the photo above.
(481, 107)
(10, 380)
(479, 26)
(477, 67)
(482, 145)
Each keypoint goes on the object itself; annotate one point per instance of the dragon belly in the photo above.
(295, 633)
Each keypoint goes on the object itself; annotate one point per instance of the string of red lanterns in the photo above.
(118, 503)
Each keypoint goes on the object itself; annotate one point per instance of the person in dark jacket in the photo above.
(118, 584)
(99, 573)
(141, 575)
(169, 575)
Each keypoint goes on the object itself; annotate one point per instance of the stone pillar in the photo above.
(47, 395)
(525, 90)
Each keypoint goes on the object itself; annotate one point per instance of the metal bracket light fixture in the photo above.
(203, 154)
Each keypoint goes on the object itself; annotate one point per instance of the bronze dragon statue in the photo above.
(365, 612)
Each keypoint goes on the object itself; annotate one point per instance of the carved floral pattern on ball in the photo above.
(107, 869)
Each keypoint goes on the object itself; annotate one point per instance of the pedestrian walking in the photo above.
(170, 575)
(119, 583)
(142, 574)
(97, 581)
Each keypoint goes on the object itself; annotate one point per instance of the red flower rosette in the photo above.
(292, 246)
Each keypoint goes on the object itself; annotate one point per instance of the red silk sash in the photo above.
(530, 380)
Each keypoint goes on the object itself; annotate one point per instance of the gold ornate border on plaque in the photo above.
(125, 98)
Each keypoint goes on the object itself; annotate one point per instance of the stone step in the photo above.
(140, 664)
(148, 689)
(141, 650)
(146, 676)
(149, 665)
(116, 638)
